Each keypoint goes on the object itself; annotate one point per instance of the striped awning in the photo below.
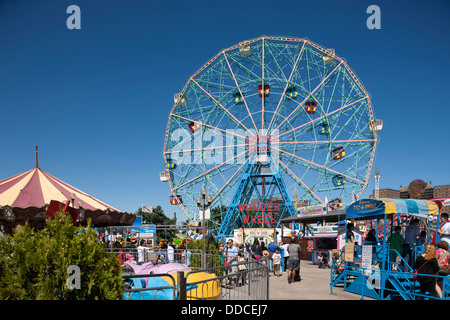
(36, 188)
(371, 208)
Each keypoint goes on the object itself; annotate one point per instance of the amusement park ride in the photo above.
(263, 118)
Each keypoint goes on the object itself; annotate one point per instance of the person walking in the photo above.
(293, 262)
(232, 255)
(412, 233)
(284, 247)
(276, 262)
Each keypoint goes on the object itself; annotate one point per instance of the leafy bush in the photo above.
(34, 264)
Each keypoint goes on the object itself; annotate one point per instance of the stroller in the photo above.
(323, 260)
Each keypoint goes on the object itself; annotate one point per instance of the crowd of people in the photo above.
(234, 254)
(435, 259)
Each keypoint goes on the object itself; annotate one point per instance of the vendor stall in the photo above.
(366, 269)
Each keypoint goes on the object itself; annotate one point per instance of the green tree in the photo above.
(34, 264)
(158, 218)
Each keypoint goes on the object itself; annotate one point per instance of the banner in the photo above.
(310, 210)
(262, 234)
(147, 209)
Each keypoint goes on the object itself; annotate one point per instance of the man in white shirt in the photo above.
(284, 247)
(444, 230)
(170, 251)
(142, 252)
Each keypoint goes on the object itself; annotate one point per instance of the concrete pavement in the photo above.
(315, 285)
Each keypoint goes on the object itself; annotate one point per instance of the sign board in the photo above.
(207, 213)
(238, 236)
(325, 229)
(366, 262)
(349, 251)
(262, 234)
(146, 235)
(310, 210)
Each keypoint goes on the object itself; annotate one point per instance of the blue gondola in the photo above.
(324, 129)
(338, 180)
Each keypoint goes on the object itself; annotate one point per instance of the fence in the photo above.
(247, 280)
(383, 279)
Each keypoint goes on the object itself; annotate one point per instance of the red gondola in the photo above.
(194, 126)
(264, 90)
(176, 199)
(310, 107)
(338, 153)
(335, 204)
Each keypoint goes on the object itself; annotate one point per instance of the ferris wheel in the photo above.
(284, 103)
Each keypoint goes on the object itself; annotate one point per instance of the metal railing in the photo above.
(394, 280)
(247, 280)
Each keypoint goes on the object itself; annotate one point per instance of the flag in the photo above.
(354, 197)
(147, 209)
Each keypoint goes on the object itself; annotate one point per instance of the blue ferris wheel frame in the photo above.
(293, 91)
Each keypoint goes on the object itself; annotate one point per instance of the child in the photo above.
(276, 258)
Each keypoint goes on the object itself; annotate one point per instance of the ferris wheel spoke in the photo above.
(221, 106)
(315, 142)
(360, 152)
(263, 63)
(210, 126)
(292, 174)
(287, 85)
(200, 150)
(240, 91)
(227, 184)
(322, 117)
(318, 165)
(312, 92)
(210, 170)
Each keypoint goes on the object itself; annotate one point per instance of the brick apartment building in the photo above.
(429, 192)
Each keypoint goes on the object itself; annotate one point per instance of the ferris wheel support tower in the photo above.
(377, 183)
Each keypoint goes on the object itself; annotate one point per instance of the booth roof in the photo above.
(333, 216)
(376, 208)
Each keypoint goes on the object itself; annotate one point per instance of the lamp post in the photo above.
(201, 202)
(72, 197)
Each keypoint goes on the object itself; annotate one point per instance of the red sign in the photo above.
(56, 206)
(261, 207)
(257, 219)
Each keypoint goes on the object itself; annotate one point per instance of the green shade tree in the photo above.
(158, 218)
(34, 265)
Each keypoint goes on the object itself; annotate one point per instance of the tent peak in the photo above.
(37, 158)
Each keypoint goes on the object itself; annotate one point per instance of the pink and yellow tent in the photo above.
(36, 188)
(26, 197)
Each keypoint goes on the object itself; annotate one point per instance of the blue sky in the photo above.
(96, 101)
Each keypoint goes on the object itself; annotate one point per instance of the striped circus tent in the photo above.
(34, 195)
(36, 188)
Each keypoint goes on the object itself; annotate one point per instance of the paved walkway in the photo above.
(315, 285)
